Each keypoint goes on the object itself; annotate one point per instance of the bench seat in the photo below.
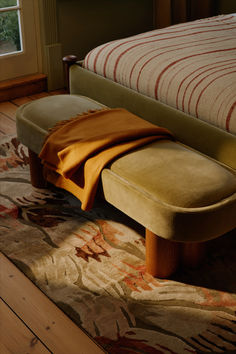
(182, 197)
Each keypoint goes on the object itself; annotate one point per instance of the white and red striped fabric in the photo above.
(190, 66)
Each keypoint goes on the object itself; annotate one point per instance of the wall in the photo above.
(226, 6)
(85, 24)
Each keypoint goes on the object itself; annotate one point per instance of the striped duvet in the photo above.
(190, 66)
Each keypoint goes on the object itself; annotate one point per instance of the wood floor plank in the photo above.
(15, 337)
(39, 95)
(7, 125)
(8, 108)
(21, 100)
(42, 316)
(58, 92)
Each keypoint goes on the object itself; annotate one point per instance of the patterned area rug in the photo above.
(92, 265)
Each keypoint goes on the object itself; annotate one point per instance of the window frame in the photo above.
(28, 60)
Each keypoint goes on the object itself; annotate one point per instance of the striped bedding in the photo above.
(190, 66)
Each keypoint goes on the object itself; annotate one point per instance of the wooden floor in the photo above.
(29, 321)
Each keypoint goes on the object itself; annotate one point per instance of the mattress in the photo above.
(189, 66)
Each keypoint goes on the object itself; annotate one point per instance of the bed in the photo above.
(182, 77)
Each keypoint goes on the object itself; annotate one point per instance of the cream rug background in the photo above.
(92, 265)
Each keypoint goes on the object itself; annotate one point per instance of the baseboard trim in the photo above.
(22, 86)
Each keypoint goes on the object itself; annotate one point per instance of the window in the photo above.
(18, 38)
(10, 25)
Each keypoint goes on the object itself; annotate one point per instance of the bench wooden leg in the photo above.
(162, 256)
(192, 254)
(36, 170)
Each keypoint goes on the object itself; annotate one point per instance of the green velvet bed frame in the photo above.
(193, 132)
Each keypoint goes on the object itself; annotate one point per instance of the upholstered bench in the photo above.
(180, 196)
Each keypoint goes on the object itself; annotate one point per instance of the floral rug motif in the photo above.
(92, 265)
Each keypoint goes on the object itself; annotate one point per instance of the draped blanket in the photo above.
(76, 150)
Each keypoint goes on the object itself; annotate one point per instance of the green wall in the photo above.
(83, 25)
(226, 6)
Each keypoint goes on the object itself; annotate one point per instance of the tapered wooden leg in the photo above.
(162, 256)
(36, 170)
(192, 254)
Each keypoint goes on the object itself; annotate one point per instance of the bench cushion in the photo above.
(34, 119)
(173, 191)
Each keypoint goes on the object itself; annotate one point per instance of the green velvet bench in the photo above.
(182, 197)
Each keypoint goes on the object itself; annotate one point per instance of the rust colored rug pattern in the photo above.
(92, 265)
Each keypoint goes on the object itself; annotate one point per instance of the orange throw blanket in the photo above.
(76, 150)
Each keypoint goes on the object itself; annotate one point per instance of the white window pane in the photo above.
(7, 3)
(9, 32)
